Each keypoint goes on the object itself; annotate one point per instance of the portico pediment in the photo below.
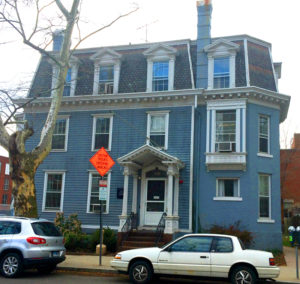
(146, 155)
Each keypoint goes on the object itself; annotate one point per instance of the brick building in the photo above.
(5, 185)
(290, 178)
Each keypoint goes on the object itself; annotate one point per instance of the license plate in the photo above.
(55, 253)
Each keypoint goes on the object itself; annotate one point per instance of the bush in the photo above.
(234, 230)
(109, 239)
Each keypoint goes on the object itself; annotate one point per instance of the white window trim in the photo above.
(224, 198)
(95, 116)
(158, 113)
(90, 189)
(67, 118)
(220, 105)
(263, 154)
(62, 190)
(74, 72)
(264, 219)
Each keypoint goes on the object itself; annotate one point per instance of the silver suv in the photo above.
(29, 243)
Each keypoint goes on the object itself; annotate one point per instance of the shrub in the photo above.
(234, 230)
(109, 239)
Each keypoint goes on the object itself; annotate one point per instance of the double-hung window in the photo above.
(53, 191)
(160, 79)
(93, 193)
(227, 188)
(60, 135)
(67, 85)
(157, 130)
(221, 73)
(225, 131)
(264, 196)
(102, 132)
(264, 145)
(6, 184)
(106, 79)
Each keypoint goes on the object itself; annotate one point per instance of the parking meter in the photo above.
(292, 234)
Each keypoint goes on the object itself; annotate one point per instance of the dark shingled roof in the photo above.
(260, 67)
(133, 71)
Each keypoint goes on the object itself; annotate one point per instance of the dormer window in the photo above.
(221, 72)
(106, 79)
(160, 68)
(71, 78)
(160, 78)
(221, 64)
(106, 71)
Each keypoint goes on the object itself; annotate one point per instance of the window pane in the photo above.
(155, 207)
(264, 207)
(263, 134)
(157, 140)
(9, 228)
(52, 201)
(223, 245)
(45, 229)
(228, 188)
(102, 125)
(158, 123)
(193, 244)
(53, 191)
(263, 125)
(264, 185)
(101, 140)
(160, 76)
(263, 145)
(221, 72)
(106, 73)
(102, 133)
(6, 184)
(59, 135)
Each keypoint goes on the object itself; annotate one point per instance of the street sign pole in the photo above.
(101, 229)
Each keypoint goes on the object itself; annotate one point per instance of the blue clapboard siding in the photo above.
(209, 212)
(129, 133)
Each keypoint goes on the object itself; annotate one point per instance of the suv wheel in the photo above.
(140, 272)
(11, 265)
(243, 275)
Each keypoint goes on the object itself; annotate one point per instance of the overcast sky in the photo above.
(274, 21)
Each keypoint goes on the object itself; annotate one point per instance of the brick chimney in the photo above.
(203, 38)
(296, 141)
(58, 37)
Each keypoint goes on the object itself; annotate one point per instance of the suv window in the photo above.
(193, 244)
(223, 245)
(10, 228)
(46, 229)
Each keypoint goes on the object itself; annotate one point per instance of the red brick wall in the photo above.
(4, 161)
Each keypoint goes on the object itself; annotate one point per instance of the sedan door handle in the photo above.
(203, 256)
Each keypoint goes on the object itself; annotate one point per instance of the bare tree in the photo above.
(23, 164)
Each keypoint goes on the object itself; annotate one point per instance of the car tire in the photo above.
(46, 269)
(140, 272)
(11, 265)
(243, 275)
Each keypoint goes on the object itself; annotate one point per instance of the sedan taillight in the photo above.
(272, 261)
(36, 241)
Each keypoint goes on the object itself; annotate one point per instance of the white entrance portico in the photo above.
(155, 187)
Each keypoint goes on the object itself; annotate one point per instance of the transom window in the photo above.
(157, 130)
(225, 131)
(106, 79)
(264, 196)
(59, 138)
(264, 134)
(67, 86)
(102, 132)
(227, 188)
(160, 79)
(93, 198)
(6, 184)
(53, 192)
(221, 73)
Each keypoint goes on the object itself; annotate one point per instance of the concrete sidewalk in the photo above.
(90, 264)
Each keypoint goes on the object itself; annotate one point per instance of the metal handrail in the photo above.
(129, 225)
(160, 228)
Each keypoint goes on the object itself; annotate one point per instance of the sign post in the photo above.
(102, 162)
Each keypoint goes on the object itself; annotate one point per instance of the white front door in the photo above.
(155, 200)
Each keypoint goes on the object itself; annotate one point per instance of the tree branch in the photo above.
(62, 9)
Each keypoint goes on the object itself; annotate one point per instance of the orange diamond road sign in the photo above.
(102, 161)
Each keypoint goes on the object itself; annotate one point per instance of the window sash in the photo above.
(53, 192)
(264, 196)
(94, 193)
(106, 74)
(59, 135)
(264, 134)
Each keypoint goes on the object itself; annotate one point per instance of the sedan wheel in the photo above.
(11, 265)
(140, 272)
(243, 275)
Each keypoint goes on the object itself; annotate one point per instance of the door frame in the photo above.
(144, 187)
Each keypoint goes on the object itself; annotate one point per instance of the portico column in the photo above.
(125, 193)
(176, 195)
(134, 193)
(170, 174)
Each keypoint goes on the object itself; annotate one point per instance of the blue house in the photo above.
(193, 126)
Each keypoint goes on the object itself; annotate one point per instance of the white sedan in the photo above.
(206, 255)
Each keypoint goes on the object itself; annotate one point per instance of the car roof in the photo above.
(19, 218)
(210, 235)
